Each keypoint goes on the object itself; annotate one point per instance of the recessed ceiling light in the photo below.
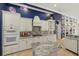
(48, 14)
(54, 5)
(24, 9)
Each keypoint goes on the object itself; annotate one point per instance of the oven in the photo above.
(10, 39)
(10, 36)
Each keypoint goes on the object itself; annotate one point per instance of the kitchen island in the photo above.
(71, 42)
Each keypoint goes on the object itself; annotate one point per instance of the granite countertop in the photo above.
(73, 37)
(25, 37)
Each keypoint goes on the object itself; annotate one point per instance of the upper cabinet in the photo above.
(51, 25)
(25, 24)
(69, 26)
(44, 25)
(10, 19)
(47, 25)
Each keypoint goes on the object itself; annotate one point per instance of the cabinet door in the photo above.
(25, 24)
(44, 25)
(71, 44)
(51, 24)
(10, 19)
(28, 24)
(22, 44)
(28, 44)
(66, 43)
(22, 24)
(10, 49)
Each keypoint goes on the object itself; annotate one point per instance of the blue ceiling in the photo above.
(30, 13)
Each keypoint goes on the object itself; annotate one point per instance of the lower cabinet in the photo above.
(71, 44)
(24, 44)
(29, 43)
(10, 49)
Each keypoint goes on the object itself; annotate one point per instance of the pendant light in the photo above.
(36, 21)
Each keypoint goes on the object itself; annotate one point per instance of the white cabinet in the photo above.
(22, 24)
(69, 25)
(44, 25)
(25, 24)
(10, 32)
(51, 24)
(28, 44)
(28, 24)
(10, 19)
(71, 44)
(10, 49)
(25, 44)
(22, 44)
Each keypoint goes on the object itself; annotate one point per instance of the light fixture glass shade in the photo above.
(36, 21)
